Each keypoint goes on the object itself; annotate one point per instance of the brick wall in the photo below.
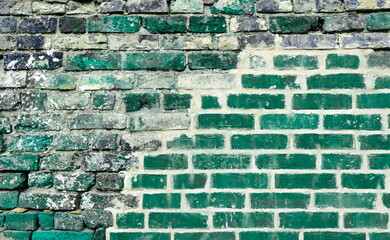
(195, 120)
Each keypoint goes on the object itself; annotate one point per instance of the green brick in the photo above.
(293, 24)
(38, 122)
(379, 142)
(222, 61)
(199, 141)
(345, 200)
(29, 143)
(220, 161)
(378, 21)
(290, 121)
(259, 141)
(114, 24)
(378, 59)
(336, 61)
(77, 181)
(93, 61)
(8, 200)
(155, 61)
(161, 200)
(323, 141)
(166, 162)
(139, 236)
(189, 181)
(289, 62)
(382, 82)
(306, 181)
(138, 101)
(239, 180)
(269, 81)
(256, 101)
(298, 220)
(286, 161)
(321, 101)
(130, 220)
(12, 180)
(5, 125)
(19, 162)
(352, 122)
(67, 221)
(21, 221)
(216, 200)
(32, 101)
(62, 235)
(379, 161)
(165, 24)
(380, 100)
(366, 220)
(175, 101)
(148, 181)
(235, 7)
(40, 180)
(206, 235)
(177, 220)
(65, 142)
(19, 235)
(336, 81)
(279, 200)
(270, 235)
(210, 102)
(379, 236)
(386, 200)
(205, 24)
(226, 121)
(341, 161)
(334, 236)
(363, 181)
(103, 102)
(46, 220)
(243, 220)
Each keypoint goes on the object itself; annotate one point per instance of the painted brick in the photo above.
(161, 200)
(366, 220)
(352, 122)
(287, 62)
(256, 101)
(243, 220)
(380, 100)
(334, 235)
(189, 181)
(166, 161)
(139, 235)
(279, 200)
(114, 24)
(93, 61)
(165, 24)
(293, 24)
(305, 181)
(155, 61)
(207, 235)
(341, 161)
(138, 101)
(335, 61)
(200, 24)
(292, 121)
(177, 101)
(345, 200)
(321, 101)
(215, 200)
(297, 220)
(267, 81)
(286, 161)
(177, 220)
(259, 141)
(220, 161)
(378, 21)
(225, 121)
(199, 141)
(129, 220)
(239, 180)
(335, 81)
(363, 181)
(380, 142)
(148, 181)
(379, 161)
(324, 141)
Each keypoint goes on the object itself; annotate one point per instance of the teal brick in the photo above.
(341, 161)
(166, 162)
(216, 200)
(38, 122)
(289, 121)
(378, 59)
(239, 180)
(40, 180)
(243, 220)
(321, 101)
(379, 161)
(299, 220)
(177, 220)
(130, 220)
(256, 101)
(382, 82)
(293, 24)
(352, 122)
(379, 100)
(189, 181)
(279, 200)
(68, 221)
(114, 24)
(12, 180)
(323, 141)
(205, 24)
(220, 161)
(19, 235)
(366, 220)
(139, 236)
(270, 235)
(379, 236)
(104, 141)
(175, 101)
(386, 200)
(164, 24)
(289, 62)
(46, 220)
(375, 142)
(306, 181)
(62, 235)
(206, 235)
(8, 200)
(149, 181)
(74, 181)
(224, 61)
(103, 102)
(5, 125)
(93, 61)
(259, 141)
(29, 143)
(378, 21)
(155, 61)
(286, 161)
(161, 201)
(19, 162)
(66, 142)
(21, 221)
(334, 236)
(33, 101)
(269, 81)
(363, 181)
(345, 200)
(138, 101)
(210, 102)
(199, 141)
(336, 81)
(236, 7)
(336, 61)
(226, 121)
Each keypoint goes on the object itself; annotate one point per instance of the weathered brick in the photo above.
(8, 25)
(366, 220)
(67, 142)
(32, 101)
(60, 162)
(93, 61)
(293, 24)
(138, 141)
(97, 218)
(215, 200)
(46, 220)
(115, 6)
(341, 161)
(286, 161)
(68, 100)
(205, 235)
(378, 21)
(382, 82)
(308, 41)
(104, 141)
(300, 220)
(165, 24)
(199, 141)
(363, 181)
(365, 40)
(343, 23)
(259, 141)
(149, 181)
(267, 81)
(233, 7)
(106, 82)
(161, 201)
(19, 162)
(166, 162)
(98, 121)
(243, 220)
(74, 182)
(22, 221)
(279, 200)
(92, 200)
(206, 81)
(8, 200)
(114, 24)
(67, 221)
(110, 181)
(306, 181)
(189, 181)
(177, 220)
(72, 24)
(291, 121)
(47, 80)
(239, 180)
(186, 6)
(220, 161)
(129, 220)
(324, 141)
(345, 200)
(12, 180)
(225, 121)
(206, 24)
(273, 6)
(155, 61)
(38, 25)
(335, 81)
(175, 101)
(30, 143)
(44, 8)
(9, 101)
(40, 180)
(12, 79)
(248, 24)
(5, 125)
(146, 6)
(38, 122)
(53, 201)
(160, 121)
(256, 101)
(288, 62)
(26, 61)
(336, 61)
(28, 42)
(107, 161)
(103, 102)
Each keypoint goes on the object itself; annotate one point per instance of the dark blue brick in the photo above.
(8, 25)
(25, 61)
(72, 25)
(26, 42)
(38, 25)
